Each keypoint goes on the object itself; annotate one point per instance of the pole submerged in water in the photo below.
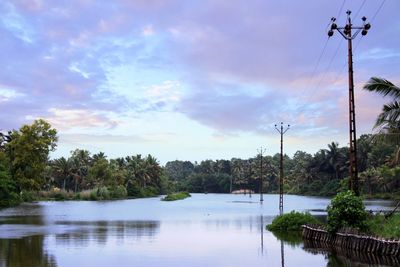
(281, 132)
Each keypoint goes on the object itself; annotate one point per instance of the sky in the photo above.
(190, 79)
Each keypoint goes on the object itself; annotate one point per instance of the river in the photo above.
(203, 230)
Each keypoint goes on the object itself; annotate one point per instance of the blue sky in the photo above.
(191, 80)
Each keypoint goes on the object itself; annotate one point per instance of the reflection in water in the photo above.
(99, 231)
(204, 230)
(27, 251)
(262, 233)
(338, 256)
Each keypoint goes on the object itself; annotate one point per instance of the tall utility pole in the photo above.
(281, 132)
(260, 152)
(347, 34)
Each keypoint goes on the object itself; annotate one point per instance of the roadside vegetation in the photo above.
(176, 196)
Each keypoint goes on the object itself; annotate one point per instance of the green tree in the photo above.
(62, 169)
(28, 152)
(100, 174)
(8, 190)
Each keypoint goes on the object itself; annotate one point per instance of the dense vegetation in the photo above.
(26, 173)
(324, 173)
(176, 196)
(291, 221)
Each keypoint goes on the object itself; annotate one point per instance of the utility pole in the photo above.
(281, 132)
(249, 179)
(261, 151)
(347, 34)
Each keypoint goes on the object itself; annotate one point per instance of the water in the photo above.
(204, 230)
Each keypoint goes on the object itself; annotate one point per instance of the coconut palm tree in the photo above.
(389, 118)
(62, 168)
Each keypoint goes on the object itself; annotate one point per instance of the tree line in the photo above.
(26, 171)
(25, 167)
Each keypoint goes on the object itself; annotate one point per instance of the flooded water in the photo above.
(204, 230)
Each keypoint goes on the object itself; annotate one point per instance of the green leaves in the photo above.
(28, 153)
(291, 221)
(346, 209)
(390, 114)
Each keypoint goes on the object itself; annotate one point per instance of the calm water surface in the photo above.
(204, 230)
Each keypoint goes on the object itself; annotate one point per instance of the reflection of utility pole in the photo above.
(346, 33)
(261, 151)
(281, 132)
(282, 254)
(262, 234)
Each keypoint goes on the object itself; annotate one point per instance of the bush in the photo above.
(133, 189)
(291, 221)
(176, 196)
(29, 196)
(103, 193)
(346, 210)
(93, 195)
(118, 192)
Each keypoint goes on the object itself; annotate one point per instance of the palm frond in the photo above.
(383, 87)
(389, 117)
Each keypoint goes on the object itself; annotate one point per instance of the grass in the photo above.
(387, 228)
(176, 196)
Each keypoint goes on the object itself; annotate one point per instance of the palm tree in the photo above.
(335, 158)
(389, 119)
(63, 170)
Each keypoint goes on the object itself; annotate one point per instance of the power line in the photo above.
(377, 11)
(340, 10)
(359, 9)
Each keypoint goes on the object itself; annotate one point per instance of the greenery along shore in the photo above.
(345, 210)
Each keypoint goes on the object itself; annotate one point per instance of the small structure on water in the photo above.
(243, 191)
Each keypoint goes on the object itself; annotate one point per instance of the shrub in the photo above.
(93, 195)
(103, 193)
(29, 196)
(291, 221)
(133, 189)
(118, 192)
(346, 210)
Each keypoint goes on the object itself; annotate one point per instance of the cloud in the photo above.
(232, 66)
(82, 139)
(71, 118)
